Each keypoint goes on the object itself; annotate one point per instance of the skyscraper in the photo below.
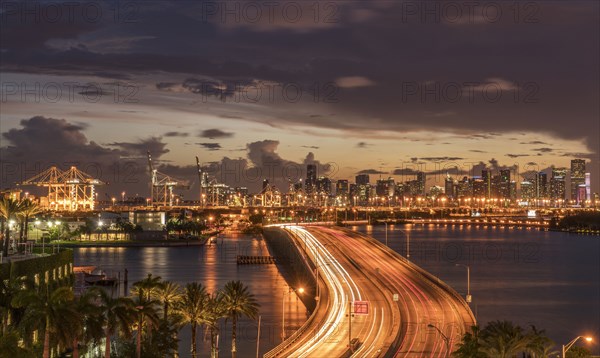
(323, 185)
(486, 176)
(541, 185)
(557, 183)
(527, 190)
(421, 180)
(311, 178)
(449, 187)
(504, 185)
(577, 178)
(362, 179)
(341, 187)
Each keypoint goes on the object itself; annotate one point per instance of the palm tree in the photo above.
(217, 309)
(469, 346)
(9, 208)
(147, 287)
(54, 312)
(118, 316)
(10, 347)
(168, 294)
(92, 320)
(28, 210)
(238, 302)
(193, 309)
(9, 289)
(540, 346)
(146, 317)
(502, 339)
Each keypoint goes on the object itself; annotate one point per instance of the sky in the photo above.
(260, 89)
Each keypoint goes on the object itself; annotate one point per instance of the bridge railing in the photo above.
(434, 280)
(277, 350)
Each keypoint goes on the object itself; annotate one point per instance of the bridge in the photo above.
(370, 301)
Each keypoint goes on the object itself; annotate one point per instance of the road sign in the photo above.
(361, 307)
(396, 297)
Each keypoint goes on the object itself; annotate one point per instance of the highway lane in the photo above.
(345, 285)
(352, 268)
(422, 300)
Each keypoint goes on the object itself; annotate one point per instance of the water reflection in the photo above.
(212, 265)
(548, 279)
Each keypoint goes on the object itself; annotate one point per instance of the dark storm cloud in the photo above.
(215, 133)
(41, 142)
(211, 146)
(262, 162)
(402, 60)
(32, 148)
(176, 43)
(154, 145)
(405, 171)
(176, 134)
(370, 171)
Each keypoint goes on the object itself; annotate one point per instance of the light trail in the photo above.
(355, 267)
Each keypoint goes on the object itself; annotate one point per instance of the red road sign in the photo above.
(361, 307)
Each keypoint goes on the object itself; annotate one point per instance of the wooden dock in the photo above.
(255, 260)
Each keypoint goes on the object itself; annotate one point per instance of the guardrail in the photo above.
(437, 283)
(294, 337)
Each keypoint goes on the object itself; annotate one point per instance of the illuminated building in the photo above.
(486, 176)
(577, 177)
(527, 190)
(362, 179)
(341, 187)
(311, 178)
(449, 186)
(557, 184)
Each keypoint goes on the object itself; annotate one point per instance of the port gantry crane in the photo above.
(69, 190)
(162, 185)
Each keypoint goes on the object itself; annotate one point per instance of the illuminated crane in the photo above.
(162, 185)
(70, 190)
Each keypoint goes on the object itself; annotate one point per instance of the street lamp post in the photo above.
(407, 243)
(386, 235)
(444, 337)
(468, 298)
(568, 346)
(289, 290)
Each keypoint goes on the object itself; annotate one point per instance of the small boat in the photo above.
(100, 279)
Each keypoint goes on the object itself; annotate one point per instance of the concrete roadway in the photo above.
(354, 267)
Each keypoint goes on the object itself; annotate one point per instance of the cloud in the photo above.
(370, 171)
(154, 145)
(362, 145)
(543, 150)
(405, 171)
(215, 133)
(440, 159)
(517, 155)
(310, 146)
(40, 142)
(176, 134)
(211, 146)
(535, 142)
(354, 82)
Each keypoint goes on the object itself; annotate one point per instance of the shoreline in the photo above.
(130, 244)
